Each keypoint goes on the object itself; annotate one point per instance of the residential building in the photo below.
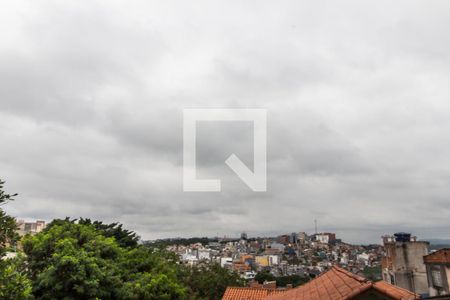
(344, 259)
(293, 238)
(402, 263)
(224, 261)
(241, 267)
(249, 275)
(325, 238)
(363, 258)
(438, 272)
(335, 284)
(274, 260)
(302, 237)
(189, 258)
(30, 227)
(284, 239)
(276, 247)
(262, 260)
(204, 254)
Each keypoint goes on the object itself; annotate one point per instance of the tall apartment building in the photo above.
(30, 227)
(402, 263)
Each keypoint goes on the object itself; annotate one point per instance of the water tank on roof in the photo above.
(402, 237)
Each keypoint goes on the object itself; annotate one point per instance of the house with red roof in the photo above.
(335, 284)
(438, 272)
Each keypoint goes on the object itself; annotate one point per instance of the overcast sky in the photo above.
(357, 95)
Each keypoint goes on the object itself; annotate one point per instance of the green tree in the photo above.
(8, 226)
(152, 274)
(69, 260)
(281, 281)
(372, 273)
(14, 283)
(209, 281)
(73, 261)
(264, 276)
(152, 286)
(124, 237)
(87, 259)
(295, 280)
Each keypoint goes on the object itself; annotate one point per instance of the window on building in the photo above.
(436, 277)
(391, 279)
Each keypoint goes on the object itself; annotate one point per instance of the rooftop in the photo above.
(249, 293)
(335, 284)
(441, 256)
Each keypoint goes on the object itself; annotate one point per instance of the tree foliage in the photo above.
(85, 259)
(77, 261)
(263, 276)
(14, 283)
(281, 281)
(8, 227)
(209, 281)
(124, 237)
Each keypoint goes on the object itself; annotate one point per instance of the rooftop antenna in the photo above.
(315, 225)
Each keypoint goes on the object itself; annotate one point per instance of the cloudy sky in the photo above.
(357, 96)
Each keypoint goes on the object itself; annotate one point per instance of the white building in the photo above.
(364, 258)
(274, 260)
(189, 259)
(250, 275)
(204, 254)
(344, 259)
(323, 238)
(225, 261)
(30, 227)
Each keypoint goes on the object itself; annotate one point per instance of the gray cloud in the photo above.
(91, 99)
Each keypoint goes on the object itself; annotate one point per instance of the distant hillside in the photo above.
(436, 244)
(179, 241)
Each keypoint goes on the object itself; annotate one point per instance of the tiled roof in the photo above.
(393, 291)
(249, 293)
(439, 257)
(339, 284)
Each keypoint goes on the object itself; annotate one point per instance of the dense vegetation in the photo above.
(14, 283)
(372, 273)
(84, 259)
(282, 281)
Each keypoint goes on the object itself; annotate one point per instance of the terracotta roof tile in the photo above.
(339, 284)
(393, 291)
(439, 257)
(248, 293)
